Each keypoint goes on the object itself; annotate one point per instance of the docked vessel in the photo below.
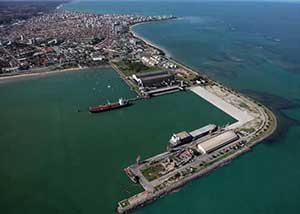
(187, 137)
(110, 106)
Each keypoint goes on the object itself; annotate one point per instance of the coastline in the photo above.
(263, 132)
(144, 198)
(22, 76)
(267, 111)
(208, 170)
(148, 42)
(28, 75)
(31, 74)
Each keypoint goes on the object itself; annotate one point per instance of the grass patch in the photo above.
(188, 78)
(129, 68)
(248, 130)
(243, 105)
(152, 172)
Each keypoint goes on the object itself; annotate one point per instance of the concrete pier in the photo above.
(170, 170)
(242, 117)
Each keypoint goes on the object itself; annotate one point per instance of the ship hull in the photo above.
(99, 109)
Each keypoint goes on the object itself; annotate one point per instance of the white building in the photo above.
(217, 142)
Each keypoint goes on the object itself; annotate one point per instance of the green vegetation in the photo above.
(152, 172)
(271, 124)
(129, 68)
(244, 105)
(248, 130)
(188, 78)
(135, 88)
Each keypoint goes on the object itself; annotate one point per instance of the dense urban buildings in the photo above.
(61, 39)
(14, 11)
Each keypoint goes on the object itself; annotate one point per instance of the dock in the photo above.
(192, 169)
(165, 90)
(192, 154)
(242, 117)
(165, 172)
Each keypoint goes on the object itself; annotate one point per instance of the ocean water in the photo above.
(56, 160)
(252, 47)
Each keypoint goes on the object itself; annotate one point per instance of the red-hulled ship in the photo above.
(110, 106)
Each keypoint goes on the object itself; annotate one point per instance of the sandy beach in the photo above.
(22, 76)
(25, 75)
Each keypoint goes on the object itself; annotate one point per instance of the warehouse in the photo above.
(217, 142)
(153, 79)
(198, 133)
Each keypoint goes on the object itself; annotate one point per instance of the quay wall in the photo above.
(241, 116)
(125, 79)
(152, 197)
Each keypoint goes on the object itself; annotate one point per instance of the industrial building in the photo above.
(185, 137)
(163, 90)
(217, 142)
(153, 79)
(198, 133)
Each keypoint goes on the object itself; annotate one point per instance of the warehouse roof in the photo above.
(203, 130)
(151, 73)
(217, 142)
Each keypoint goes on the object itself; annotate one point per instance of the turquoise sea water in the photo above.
(55, 160)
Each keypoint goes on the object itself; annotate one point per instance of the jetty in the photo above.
(242, 116)
(198, 156)
(189, 154)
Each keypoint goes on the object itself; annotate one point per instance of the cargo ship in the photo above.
(110, 106)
